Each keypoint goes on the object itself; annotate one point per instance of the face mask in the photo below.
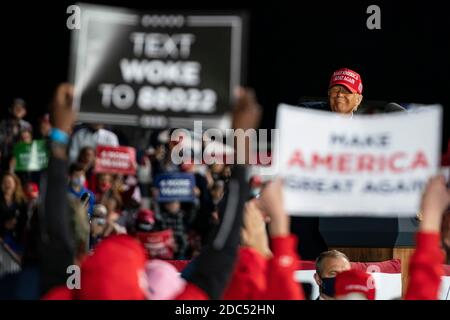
(99, 221)
(255, 192)
(327, 286)
(105, 187)
(79, 182)
(145, 226)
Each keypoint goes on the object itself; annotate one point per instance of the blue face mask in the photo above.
(79, 182)
(327, 286)
(254, 193)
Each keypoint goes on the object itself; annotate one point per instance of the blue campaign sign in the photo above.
(175, 187)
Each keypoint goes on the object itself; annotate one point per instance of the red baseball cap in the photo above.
(255, 181)
(347, 78)
(146, 216)
(32, 190)
(355, 281)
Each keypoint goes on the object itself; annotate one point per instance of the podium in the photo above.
(372, 239)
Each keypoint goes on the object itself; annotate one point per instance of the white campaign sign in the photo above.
(371, 165)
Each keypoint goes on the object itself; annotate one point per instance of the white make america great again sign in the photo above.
(374, 165)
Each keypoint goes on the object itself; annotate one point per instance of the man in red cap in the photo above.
(345, 91)
(344, 97)
(354, 285)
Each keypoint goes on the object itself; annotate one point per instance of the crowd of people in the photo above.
(115, 203)
(69, 214)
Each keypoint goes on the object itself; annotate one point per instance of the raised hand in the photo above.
(271, 202)
(62, 115)
(253, 233)
(247, 112)
(435, 201)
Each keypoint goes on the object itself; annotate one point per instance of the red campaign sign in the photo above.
(120, 160)
(159, 244)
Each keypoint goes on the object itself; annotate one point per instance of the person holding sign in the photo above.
(92, 135)
(171, 216)
(262, 273)
(425, 268)
(159, 244)
(30, 157)
(11, 128)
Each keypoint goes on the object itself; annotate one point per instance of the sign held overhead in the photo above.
(133, 68)
(375, 165)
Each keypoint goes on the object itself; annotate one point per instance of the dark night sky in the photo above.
(292, 49)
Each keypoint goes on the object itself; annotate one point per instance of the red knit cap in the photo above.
(115, 271)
